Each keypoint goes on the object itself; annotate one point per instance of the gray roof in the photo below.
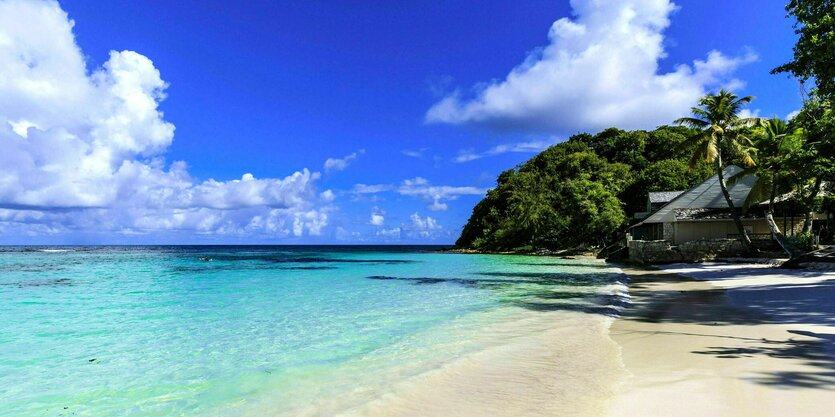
(693, 214)
(663, 196)
(707, 195)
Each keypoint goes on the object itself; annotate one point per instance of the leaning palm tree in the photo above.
(720, 127)
(772, 147)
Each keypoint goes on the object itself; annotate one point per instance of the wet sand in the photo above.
(542, 364)
(727, 340)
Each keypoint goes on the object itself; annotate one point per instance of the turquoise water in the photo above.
(156, 331)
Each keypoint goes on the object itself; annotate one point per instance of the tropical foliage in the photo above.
(814, 52)
(581, 192)
(720, 126)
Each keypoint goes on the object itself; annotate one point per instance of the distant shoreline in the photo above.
(567, 253)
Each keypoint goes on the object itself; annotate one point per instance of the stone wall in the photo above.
(661, 251)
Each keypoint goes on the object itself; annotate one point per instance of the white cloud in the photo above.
(414, 153)
(340, 233)
(84, 149)
(371, 189)
(600, 69)
(792, 114)
(416, 228)
(533, 146)
(377, 217)
(421, 188)
(336, 164)
(327, 196)
(423, 227)
(393, 233)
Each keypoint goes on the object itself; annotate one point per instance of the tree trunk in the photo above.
(807, 218)
(743, 235)
(772, 225)
(778, 236)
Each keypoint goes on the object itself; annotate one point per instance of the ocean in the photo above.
(298, 330)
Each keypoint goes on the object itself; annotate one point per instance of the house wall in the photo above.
(722, 229)
(661, 251)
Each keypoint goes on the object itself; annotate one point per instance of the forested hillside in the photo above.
(581, 192)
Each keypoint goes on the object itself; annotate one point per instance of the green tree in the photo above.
(814, 52)
(719, 124)
(563, 198)
(813, 162)
(663, 175)
(774, 146)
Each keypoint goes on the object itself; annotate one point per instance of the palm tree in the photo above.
(772, 148)
(720, 127)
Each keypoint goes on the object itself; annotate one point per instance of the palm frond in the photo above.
(692, 122)
(760, 191)
(735, 178)
(711, 151)
(747, 122)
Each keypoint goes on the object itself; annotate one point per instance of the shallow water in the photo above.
(156, 331)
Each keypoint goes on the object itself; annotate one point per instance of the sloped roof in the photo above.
(663, 196)
(707, 195)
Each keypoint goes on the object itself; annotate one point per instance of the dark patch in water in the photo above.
(538, 291)
(427, 281)
(58, 282)
(565, 264)
(301, 258)
(558, 278)
(306, 268)
(31, 268)
(336, 260)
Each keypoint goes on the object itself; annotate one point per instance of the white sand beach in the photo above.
(697, 340)
(727, 340)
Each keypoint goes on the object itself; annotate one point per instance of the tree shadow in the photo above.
(815, 353)
(540, 291)
(698, 302)
(566, 264)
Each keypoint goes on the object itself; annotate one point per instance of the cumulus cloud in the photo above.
(84, 148)
(421, 188)
(533, 146)
(417, 227)
(377, 217)
(600, 69)
(337, 164)
(423, 227)
(371, 188)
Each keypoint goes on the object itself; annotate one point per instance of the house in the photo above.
(656, 200)
(701, 213)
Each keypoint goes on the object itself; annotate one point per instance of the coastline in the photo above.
(727, 340)
(520, 363)
(538, 364)
(563, 253)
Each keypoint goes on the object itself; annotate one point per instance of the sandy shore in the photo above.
(540, 364)
(727, 340)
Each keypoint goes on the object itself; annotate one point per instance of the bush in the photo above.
(803, 241)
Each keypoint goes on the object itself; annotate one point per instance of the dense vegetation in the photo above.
(582, 192)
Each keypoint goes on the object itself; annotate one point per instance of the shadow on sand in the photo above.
(799, 304)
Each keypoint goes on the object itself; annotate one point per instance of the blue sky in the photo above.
(412, 102)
